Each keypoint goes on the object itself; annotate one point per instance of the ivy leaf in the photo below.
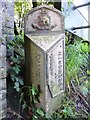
(15, 60)
(17, 86)
(18, 89)
(16, 69)
(65, 110)
(33, 91)
(13, 77)
(40, 112)
(35, 117)
(20, 81)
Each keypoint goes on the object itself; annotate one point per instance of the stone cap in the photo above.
(44, 19)
(45, 42)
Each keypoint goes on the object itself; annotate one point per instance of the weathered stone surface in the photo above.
(10, 37)
(44, 18)
(44, 48)
(7, 17)
(6, 22)
(48, 72)
(2, 62)
(0, 11)
(0, 18)
(9, 24)
(3, 113)
(0, 28)
(7, 31)
(2, 84)
(45, 42)
(3, 105)
(0, 7)
(3, 95)
(10, 11)
(55, 69)
(2, 50)
(0, 24)
(2, 72)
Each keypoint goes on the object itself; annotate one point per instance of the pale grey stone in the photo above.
(3, 104)
(3, 113)
(7, 31)
(7, 17)
(9, 24)
(2, 72)
(2, 84)
(0, 24)
(10, 8)
(2, 62)
(44, 48)
(56, 19)
(2, 50)
(0, 18)
(6, 22)
(2, 95)
(10, 37)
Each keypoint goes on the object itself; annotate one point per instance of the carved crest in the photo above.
(43, 21)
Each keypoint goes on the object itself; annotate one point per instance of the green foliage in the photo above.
(16, 60)
(70, 2)
(68, 10)
(39, 2)
(76, 59)
(76, 64)
(21, 7)
(85, 47)
(76, 71)
(32, 94)
(66, 110)
(84, 84)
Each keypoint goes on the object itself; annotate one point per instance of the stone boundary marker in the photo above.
(44, 54)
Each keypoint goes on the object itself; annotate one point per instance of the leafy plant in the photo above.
(31, 93)
(16, 60)
(66, 109)
(76, 75)
(76, 70)
(76, 61)
(21, 8)
(70, 2)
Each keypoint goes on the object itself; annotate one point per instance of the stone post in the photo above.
(44, 54)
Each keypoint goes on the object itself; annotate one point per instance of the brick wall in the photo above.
(6, 34)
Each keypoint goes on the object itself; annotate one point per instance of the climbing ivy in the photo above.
(16, 61)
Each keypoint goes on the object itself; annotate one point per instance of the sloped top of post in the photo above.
(44, 19)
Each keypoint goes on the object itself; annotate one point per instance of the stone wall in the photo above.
(6, 34)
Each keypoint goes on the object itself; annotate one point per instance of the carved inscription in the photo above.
(55, 69)
(38, 59)
(37, 63)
